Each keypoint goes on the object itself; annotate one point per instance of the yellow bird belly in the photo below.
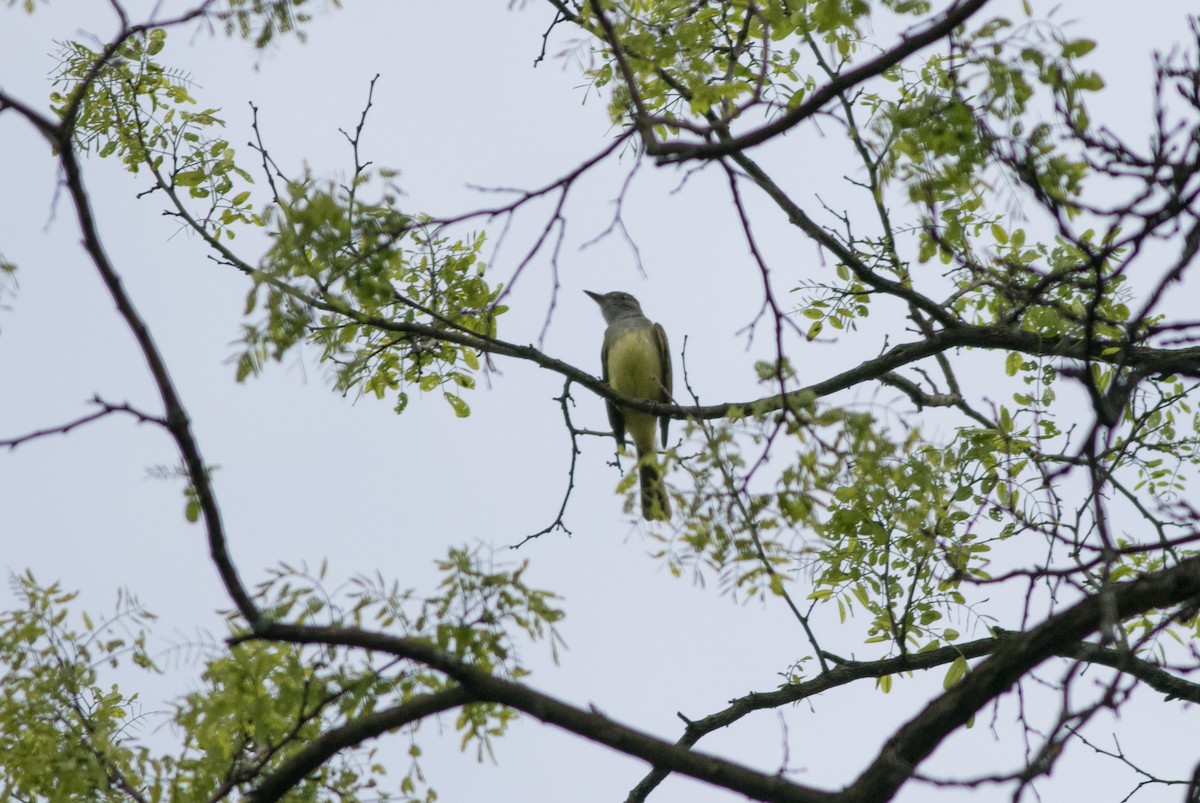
(635, 369)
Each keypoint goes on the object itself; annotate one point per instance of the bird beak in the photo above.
(597, 297)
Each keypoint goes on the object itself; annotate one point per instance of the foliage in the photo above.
(258, 703)
(352, 256)
(62, 732)
(348, 275)
(1044, 453)
(130, 106)
(263, 20)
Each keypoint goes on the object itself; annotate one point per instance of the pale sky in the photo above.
(306, 474)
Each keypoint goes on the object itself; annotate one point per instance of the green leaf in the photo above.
(1080, 47)
(190, 178)
(1012, 363)
(956, 672)
(461, 409)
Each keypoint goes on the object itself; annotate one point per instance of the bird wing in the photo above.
(615, 419)
(666, 395)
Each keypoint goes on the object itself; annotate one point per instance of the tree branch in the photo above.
(994, 336)
(591, 725)
(279, 782)
(847, 672)
(920, 736)
(955, 15)
(106, 410)
(1012, 656)
(176, 419)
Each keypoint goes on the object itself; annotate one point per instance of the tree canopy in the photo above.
(990, 485)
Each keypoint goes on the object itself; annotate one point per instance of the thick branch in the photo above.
(850, 671)
(176, 418)
(917, 739)
(589, 724)
(1185, 361)
(846, 672)
(316, 752)
(1148, 360)
(1157, 678)
(1012, 657)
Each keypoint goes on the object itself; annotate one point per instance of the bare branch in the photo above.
(105, 410)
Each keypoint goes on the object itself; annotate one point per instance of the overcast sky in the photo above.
(306, 474)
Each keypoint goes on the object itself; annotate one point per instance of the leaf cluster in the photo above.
(127, 104)
(65, 736)
(385, 284)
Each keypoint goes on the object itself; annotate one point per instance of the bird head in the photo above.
(616, 305)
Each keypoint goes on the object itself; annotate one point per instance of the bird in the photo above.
(636, 362)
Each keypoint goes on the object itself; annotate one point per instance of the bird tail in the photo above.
(656, 505)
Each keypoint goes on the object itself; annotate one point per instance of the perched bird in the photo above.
(637, 362)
